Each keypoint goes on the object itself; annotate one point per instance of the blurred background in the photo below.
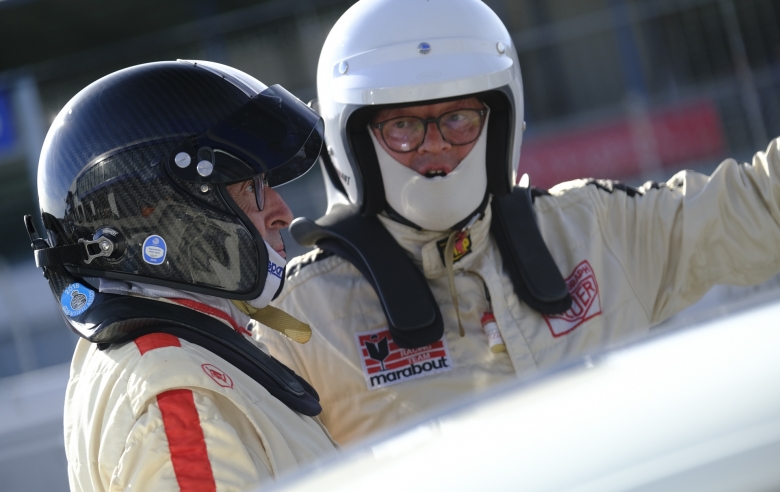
(626, 89)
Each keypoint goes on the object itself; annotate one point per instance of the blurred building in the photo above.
(627, 89)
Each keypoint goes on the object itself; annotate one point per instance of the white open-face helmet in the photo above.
(397, 52)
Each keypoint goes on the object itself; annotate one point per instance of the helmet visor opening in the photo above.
(274, 134)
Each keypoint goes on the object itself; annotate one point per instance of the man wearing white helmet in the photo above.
(434, 278)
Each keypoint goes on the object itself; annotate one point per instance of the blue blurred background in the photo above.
(626, 89)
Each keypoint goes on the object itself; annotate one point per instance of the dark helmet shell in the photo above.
(109, 168)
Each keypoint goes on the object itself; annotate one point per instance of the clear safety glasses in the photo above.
(407, 133)
(260, 183)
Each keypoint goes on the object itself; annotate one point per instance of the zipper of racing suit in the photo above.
(449, 253)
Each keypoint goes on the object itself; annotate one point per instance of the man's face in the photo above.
(274, 217)
(435, 155)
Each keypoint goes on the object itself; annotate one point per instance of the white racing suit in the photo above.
(630, 260)
(160, 413)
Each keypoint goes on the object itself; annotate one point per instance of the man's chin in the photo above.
(280, 250)
(276, 243)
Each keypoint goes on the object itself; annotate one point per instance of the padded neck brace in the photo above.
(126, 318)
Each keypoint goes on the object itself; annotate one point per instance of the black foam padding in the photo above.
(535, 276)
(123, 319)
(413, 316)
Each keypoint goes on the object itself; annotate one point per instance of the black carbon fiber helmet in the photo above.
(132, 182)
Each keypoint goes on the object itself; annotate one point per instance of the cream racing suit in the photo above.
(160, 413)
(631, 258)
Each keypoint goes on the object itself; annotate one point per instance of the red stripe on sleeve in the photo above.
(156, 340)
(185, 441)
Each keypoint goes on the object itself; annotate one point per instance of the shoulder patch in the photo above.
(218, 375)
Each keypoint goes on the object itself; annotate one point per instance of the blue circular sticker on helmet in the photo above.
(154, 250)
(76, 299)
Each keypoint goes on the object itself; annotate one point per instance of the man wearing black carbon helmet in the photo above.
(161, 244)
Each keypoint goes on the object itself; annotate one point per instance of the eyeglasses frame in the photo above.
(426, 122)
(261, 182)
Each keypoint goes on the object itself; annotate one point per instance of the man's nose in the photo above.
(277, 215)
(434, 141)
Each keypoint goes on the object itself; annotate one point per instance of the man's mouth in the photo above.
(435, 173)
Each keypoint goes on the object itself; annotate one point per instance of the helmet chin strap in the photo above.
(435, 204)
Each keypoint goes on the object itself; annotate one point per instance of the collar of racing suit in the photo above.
(167, 294)
(425, 246)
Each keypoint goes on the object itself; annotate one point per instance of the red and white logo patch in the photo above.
(385, 363)
(585, 303)
(218, 375)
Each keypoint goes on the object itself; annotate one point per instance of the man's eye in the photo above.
(250, 188)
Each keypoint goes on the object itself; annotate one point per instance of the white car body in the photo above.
(698, 409)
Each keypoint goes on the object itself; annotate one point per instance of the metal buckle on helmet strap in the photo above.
(105, 248)
(73, 253)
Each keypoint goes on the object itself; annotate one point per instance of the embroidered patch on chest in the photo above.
(585, 304)
(462, 247)
(385, 363)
